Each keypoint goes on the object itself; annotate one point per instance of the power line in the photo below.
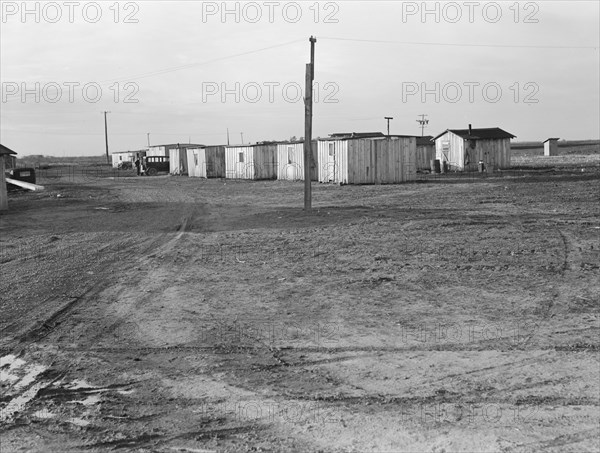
(418, 43)
(201, 63)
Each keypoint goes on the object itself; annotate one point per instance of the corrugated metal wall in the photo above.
(290, 160)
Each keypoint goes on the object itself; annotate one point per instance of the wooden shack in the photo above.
(551, 147)
(290, 159)
(367, 160)
(5, 153)
(207, 162)
(463, 149)
(251, 161)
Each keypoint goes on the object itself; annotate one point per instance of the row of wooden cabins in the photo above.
(346, 158)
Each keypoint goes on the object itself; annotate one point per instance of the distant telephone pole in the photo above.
(388, 118)
(148, 135)
(106, 136)
(423, 122)
(242, 135)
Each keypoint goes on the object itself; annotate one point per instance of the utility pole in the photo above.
(423, 122)
(308, 112)
(106, 136)
(148, 135)
(242, 135)
(388, 118)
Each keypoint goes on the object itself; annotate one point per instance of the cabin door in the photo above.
(331, 162)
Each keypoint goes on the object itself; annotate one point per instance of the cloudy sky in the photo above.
(188, 71)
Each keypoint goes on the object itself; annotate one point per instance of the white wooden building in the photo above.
(122, 156)
(207, 162)
(251, 161)
(463, 149)
(367, 160)
(290, 160)
(551, 147)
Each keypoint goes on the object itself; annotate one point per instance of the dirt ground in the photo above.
(179, 314)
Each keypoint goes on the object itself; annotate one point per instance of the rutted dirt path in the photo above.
(388, 320)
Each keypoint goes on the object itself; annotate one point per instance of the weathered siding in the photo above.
(425, 154)
(257, 162)
(450, 148)
(239, 162)
(290, 160)
(265, 161)
(117, 158)
(196, 158)
(178, 161)
(495, 153)
(332, 160)
(368, 161)
(215, 161)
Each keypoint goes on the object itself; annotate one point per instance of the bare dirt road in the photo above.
(175, 314)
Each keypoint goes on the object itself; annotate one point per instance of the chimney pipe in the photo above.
(469, 129)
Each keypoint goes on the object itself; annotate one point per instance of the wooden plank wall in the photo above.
(425, 153)
(215, 161)
(380, 161)
(235, 169)
(195, 158)
(265, 161)
(295, 170)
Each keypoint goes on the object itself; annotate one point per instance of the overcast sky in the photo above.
(185, 71)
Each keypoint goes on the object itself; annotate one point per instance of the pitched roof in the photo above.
(5, 150)
(482, 133)
(425, 140)
(548, 139)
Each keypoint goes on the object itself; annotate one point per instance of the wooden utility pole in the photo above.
(106, 137)
(308, 106)
(242, 136)
(148, 136)
(388, 118)
(423, 122)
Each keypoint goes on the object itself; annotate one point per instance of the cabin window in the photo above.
(241, 157)
(196, 160)
(445, 145)
(331, 149)
(290, 154)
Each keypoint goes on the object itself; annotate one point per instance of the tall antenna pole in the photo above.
(106, 136)
(423, 122)
(388, 118)
(308, 112)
